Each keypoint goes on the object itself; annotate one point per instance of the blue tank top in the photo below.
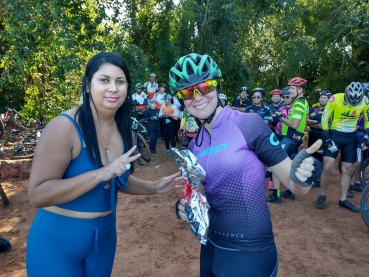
(99, 199)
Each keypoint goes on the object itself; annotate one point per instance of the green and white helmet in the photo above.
(191, 70)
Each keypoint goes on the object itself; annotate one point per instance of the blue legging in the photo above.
(63, 246)
(220, 262)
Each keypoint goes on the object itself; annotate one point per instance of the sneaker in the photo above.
(349, 194)
(320, 202)
(347, 205)
(166, 152)
(316, 184)
(270, 185)
(356, 188)
(268, 174)
(4, 245)
(272, 199)
(289, 196)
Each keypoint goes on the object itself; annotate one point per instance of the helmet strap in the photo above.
(201, 125)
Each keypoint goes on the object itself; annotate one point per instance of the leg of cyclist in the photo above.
(345, 179)
(275, 196)
(355, 172)
(328, 164)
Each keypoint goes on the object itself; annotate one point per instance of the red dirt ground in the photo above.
(152, 242)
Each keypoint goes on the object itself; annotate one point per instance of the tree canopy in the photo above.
(44, 45)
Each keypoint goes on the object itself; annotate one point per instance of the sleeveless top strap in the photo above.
(76, 126)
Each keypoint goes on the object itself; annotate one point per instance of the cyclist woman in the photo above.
(223, 99)
(82, 160)
(257, 106)
(241, 241)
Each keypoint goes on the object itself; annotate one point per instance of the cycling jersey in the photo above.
(273, 108)
(159, 97)
(285, 111)
(300, 109)
(263, 111)
(151, 89)
(238, 103)
(343, 116)
(234, 184)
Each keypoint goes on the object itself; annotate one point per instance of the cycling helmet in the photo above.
(191, 70)
(326, 93)
(139, 85)
(286, 91)
(298, 82)
(259, 90)
(365, 87)
(275, 92)
(153, 75)
(354, 93)
(244, 89)
(222, 96)
(161, 85)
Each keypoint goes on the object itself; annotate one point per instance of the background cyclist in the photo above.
(223, 99)
(315, 126)
(140, 101)
(277, 102)
(257, 106)
(241, 102)
(293, 126)
(343, 111)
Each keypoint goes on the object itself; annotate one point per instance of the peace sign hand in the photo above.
(118, 166)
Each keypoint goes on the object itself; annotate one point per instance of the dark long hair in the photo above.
(84, 112)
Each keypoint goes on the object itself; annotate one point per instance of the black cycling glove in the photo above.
(315, 174)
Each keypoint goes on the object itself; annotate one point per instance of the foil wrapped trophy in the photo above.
(196, 206)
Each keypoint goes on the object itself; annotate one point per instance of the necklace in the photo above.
(106, 141)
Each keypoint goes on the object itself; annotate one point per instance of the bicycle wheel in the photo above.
(3, 196)
(19, 146)
(25, 122)
(143, 148)
(364, 201)
(2, 129)
(364, 173)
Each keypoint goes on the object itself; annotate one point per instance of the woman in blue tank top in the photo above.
(83, 158)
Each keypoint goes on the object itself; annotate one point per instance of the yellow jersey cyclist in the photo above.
(343, 111)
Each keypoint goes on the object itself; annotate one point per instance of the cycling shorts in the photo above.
(224, 262)
(346, 143)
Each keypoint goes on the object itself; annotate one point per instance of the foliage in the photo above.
(258, 43)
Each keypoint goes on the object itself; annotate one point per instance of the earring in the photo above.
(87, 95)
(127, 99)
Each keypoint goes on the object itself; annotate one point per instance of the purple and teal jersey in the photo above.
(234, 159)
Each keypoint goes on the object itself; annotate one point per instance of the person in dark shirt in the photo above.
(258, 106)
(242, 102)
(152, 117)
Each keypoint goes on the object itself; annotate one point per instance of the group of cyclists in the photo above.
(340, 120)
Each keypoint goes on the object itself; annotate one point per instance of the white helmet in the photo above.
(354, 93)
(222, 96)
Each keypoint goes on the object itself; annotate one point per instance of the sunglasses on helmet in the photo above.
(202, 89)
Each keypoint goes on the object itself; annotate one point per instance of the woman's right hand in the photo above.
(118, 166)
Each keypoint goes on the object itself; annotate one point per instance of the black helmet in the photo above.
(244, 89)
(326, 93)
(161, 85)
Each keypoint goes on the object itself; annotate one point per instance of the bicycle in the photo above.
(138, 130)
(22, 122)
(364, 201)
(19, 145)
